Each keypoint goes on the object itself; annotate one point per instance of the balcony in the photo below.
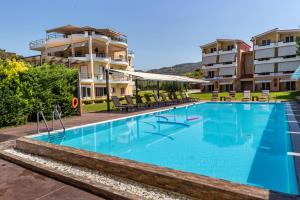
(218, 65)
(272, 75)
(221, 52)
(209, 54)
(119, 78)
(119, 41)
(86, 78)
(271, 45)
(287, 48)
(219, 78)
(96, 57)
(119, 61)
(276, 60)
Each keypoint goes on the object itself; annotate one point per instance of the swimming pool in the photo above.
(240, 142)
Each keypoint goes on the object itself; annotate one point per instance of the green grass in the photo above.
(282, 96)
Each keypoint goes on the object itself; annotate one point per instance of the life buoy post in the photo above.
(74, 102)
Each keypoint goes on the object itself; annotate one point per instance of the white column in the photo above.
(92, 66)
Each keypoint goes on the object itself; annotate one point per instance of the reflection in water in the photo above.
(240, 142)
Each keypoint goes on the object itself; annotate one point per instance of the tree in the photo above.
(197, 74)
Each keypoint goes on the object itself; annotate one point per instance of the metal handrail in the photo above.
(38, 122)
(57, 114)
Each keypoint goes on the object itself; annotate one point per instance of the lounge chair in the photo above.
(231, 96)
(264, 95)
(184, 98)
(157, 101)
(175, 97)
(130, 102)
(139, 100)
(119, 106)
(165, 100)
(171, 97)
(191, 99)
(246, 95)
(149, 101)
(215, 96)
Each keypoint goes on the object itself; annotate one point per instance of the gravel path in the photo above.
(117, 183)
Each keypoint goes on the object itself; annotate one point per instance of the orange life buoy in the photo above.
(74, 102)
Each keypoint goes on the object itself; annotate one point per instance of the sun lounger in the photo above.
(191, 99)
(215, 96)
(231, 96)
(131, 103)
(157, 101)
(264, 95)
(165, 100)
(149, 101)
(246, 95)
(119, 106)
(171, 97)
(184, 98)
(139, 100)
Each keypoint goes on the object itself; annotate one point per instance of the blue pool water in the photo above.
(241, 142)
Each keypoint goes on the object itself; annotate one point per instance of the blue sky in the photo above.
(161, 32)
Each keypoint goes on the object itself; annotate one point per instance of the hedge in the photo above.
(25, 90)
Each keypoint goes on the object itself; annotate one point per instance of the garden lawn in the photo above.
(282, 96)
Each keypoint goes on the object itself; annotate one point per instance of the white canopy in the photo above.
(158, 77)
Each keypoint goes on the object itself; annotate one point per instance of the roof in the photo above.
(67, 29)
(275, 30)
(225, 40)
(264, 33)
(158, 77)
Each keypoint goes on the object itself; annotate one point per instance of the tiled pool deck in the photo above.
(12, 183)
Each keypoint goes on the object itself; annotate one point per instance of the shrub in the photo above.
(99, 101)
(87, 101)
(25, 90)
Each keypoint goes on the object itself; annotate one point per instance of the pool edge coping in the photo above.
(173, 177)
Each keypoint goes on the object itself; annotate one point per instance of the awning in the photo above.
(226, 83)
(230, 57)
(264, 68)
(285, 80)
(262, 81)
(158, 77)
(296, 74)
(288, 66)
(56, 49)
(79, 44)
(227, 71)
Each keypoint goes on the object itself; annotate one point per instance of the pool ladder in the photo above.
(56, 114)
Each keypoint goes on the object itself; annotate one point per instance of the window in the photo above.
(266, 42)
(210, 74)
(85, 92)
(265, 86)
(100, 91)
(113, 90)
(290, 85)
(210, 88)
(122, 91)
(78, 54)
(230, 47)
(289, 39)
(213, 50)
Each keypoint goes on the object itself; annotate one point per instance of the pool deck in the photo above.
(18, 183)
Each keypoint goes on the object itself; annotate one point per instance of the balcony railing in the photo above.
(119, 78)
(38, 43)
(85, 75)
(119, 39)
